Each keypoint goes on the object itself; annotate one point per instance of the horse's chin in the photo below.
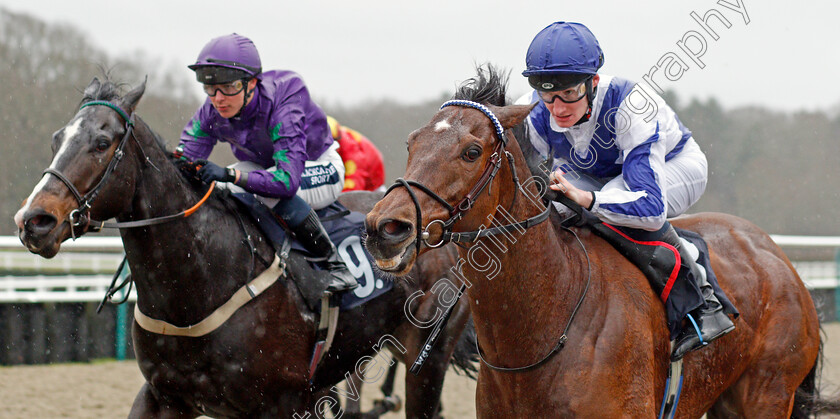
(401, 264)
(46, 245)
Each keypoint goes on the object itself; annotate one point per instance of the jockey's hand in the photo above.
(560, 184)
(211, 171)
(187, 167)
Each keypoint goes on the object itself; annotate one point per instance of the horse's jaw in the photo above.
(395, 260)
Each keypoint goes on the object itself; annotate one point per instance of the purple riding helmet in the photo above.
(227, 58)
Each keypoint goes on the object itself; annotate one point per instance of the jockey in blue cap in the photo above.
(618, 151)
(287, 156)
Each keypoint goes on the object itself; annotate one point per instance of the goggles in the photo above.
(228, 89)
(570, 95)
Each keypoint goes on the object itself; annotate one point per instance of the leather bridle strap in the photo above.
(507, 228)
(85, 201)
(79, 216)
(456, 212)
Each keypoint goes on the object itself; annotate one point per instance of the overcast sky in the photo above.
(779, 54)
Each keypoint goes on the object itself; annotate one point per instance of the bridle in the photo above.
(457, 211)
(80, 217)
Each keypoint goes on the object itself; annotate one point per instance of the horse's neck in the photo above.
(187, 267)
(533, 284)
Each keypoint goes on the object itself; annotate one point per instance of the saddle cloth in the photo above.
(344, 228)
(678, 289)
(679, 293)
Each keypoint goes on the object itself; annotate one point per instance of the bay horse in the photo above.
(256, 364)
(566, 326)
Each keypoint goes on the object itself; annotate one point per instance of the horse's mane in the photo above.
(489, 87)
(109, 90)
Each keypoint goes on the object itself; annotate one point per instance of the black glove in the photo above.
(211, 171)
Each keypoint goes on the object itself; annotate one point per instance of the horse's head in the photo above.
(84, 166)
(450, 178)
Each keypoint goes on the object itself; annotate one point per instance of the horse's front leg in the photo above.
(147, 405)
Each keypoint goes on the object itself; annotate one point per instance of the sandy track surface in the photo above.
(107, 389)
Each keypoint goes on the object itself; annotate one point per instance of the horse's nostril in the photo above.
(391, 228)
(395, 229)
(39, 222)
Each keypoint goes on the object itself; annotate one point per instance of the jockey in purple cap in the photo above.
(619, 151)
(287, 156)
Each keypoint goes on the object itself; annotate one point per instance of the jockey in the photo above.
(280, 137)
(364, 168)
(619, 151)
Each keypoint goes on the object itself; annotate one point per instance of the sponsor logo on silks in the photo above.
(319, 170)
(275, 132)
(315, 176)
(195, 129)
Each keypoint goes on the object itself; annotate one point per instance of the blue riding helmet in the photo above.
(226, 59)
(562, 55)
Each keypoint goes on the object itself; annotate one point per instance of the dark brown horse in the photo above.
(528, 282)
(256, 363)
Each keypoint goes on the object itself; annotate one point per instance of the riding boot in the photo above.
(311, 234)
(707, 322)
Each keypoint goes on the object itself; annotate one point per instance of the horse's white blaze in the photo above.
(69, 132)
(442, 126)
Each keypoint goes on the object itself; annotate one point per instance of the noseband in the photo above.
(79, 217)
(457, 211)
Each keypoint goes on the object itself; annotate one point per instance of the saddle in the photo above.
(344, 228)
(675, 284)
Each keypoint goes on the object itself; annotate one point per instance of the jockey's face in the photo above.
(567, 114)
(229, 106)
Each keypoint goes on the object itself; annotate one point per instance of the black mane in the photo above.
(107, 90)
(111, 91)
(489, 86)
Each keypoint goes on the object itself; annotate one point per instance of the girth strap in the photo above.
(212, 322)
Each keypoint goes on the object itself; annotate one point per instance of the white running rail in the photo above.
(83, 269)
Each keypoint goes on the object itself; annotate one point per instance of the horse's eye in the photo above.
(102, 144)
(472, 153)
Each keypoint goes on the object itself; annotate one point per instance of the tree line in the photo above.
(776, 169)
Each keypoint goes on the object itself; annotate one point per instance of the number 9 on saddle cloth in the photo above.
(344, 228)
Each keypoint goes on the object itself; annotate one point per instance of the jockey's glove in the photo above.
(211, 171)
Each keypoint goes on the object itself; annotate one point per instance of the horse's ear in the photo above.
(513, 115)
(131, 98)
(92, 88)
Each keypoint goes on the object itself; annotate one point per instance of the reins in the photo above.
(457, 211)
(562, 340)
